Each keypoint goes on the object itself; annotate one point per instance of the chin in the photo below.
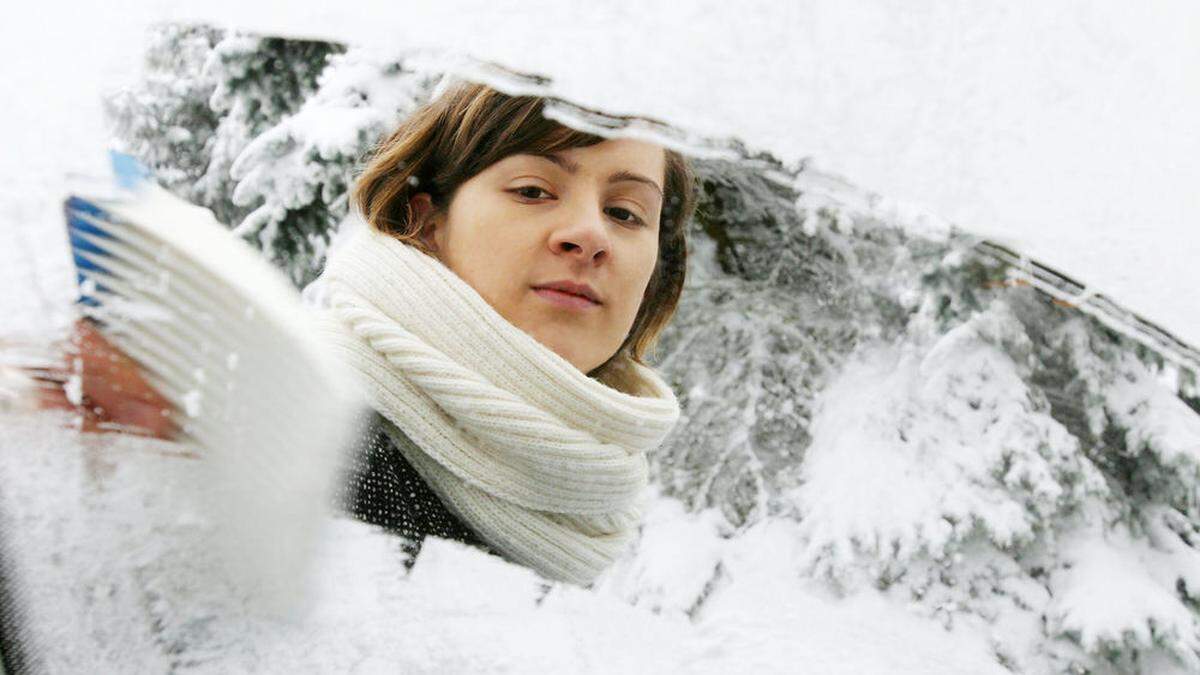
(573, 361)
(555, 346)
(562, 345)
(583, 365)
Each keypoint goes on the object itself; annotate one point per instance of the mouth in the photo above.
(565, 300)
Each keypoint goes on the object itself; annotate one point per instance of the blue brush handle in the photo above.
(128, 174)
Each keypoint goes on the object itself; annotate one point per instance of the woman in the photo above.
(498, 301)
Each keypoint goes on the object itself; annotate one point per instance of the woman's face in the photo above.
(586, 216)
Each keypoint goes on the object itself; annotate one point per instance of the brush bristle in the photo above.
(223, 336)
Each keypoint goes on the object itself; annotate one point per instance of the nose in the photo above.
(583, 236)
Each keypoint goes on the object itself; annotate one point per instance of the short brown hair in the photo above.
(472, 126)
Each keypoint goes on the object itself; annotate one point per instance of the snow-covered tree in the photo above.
(257, 81)
(207, 96)
(926, 419)
(167, 121)
(936, 427)
(298, 171)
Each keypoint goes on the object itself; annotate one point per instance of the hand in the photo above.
(114, 394)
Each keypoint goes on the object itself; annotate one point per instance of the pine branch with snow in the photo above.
(166, 120)
(297, 173)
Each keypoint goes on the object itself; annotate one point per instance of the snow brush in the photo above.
(223, 336)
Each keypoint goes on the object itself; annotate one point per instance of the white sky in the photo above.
(1066, 129)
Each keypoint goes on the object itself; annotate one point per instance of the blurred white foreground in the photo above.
(120, 575)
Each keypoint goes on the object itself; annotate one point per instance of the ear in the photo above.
(425, 220)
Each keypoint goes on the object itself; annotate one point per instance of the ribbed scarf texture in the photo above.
(546, 464)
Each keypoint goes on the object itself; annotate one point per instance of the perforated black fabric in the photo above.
(383, 489)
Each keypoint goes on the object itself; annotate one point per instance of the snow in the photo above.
(192, 401)
(1156, 419)
(1064, 129)
(120, 572)
(914, 449)
(1116, 562)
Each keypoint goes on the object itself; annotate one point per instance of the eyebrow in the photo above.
(571, 168)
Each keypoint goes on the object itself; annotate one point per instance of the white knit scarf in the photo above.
(545, 464)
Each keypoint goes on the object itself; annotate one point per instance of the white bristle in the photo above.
(223, 336)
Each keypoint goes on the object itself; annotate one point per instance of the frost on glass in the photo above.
(915, 410)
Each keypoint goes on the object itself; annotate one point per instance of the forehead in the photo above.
(610, 156)
(642, 154)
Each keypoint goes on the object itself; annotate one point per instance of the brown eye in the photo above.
(631, 218)
(530, 191)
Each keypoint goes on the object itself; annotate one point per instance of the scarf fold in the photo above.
(546, 464)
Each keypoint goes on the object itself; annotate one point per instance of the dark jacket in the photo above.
(383, 489)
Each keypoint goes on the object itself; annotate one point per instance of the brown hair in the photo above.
(472, 126)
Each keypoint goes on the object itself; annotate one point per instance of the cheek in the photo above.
(495, 266)
(648, 263)
(639, 276)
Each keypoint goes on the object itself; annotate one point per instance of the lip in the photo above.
(565, 300)
(574, 288)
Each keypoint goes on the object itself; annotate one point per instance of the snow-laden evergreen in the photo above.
(936, 429)
(902, 411)
(297, 172)
(229, 114)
